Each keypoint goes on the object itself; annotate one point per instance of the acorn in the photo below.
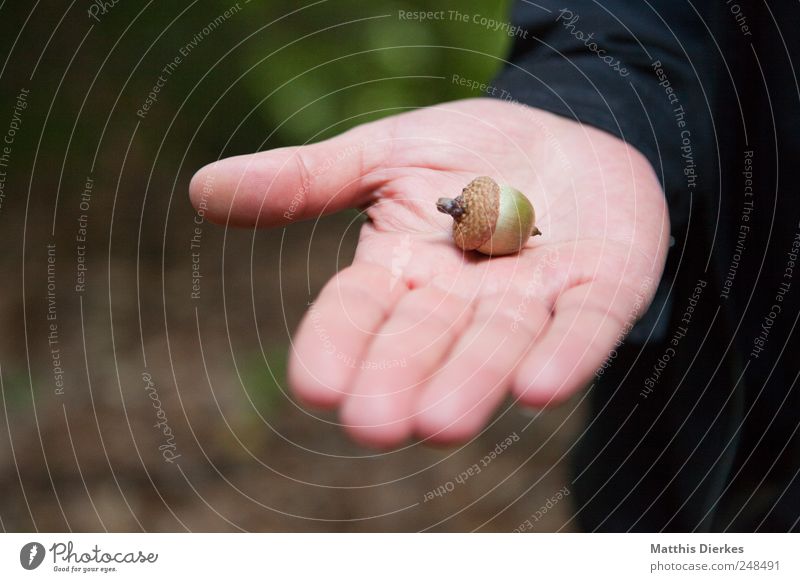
(490, 219)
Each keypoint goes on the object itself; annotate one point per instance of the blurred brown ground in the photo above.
(251, 458)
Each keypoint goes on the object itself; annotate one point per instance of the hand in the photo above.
(419, 338)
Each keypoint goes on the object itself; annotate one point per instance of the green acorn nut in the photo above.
(490, 219)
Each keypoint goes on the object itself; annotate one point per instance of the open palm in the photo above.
(420, 338)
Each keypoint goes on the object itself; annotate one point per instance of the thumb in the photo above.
(279, 186)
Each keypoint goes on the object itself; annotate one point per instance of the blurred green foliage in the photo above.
(346, 61)
(272, 73)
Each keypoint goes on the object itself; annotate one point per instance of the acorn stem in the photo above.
(452, 206)
(536, 232)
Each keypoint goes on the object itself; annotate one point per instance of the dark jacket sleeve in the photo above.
(634, 69)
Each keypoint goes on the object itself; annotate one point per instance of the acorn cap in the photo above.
(481, 203)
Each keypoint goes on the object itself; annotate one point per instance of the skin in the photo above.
(470, 329)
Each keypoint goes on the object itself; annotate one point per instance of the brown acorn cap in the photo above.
(481, 203)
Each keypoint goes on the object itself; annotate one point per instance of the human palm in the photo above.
(420, 338)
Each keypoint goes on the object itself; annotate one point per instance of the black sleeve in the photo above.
(634, 69)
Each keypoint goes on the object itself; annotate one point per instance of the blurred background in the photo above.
(143, 351)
